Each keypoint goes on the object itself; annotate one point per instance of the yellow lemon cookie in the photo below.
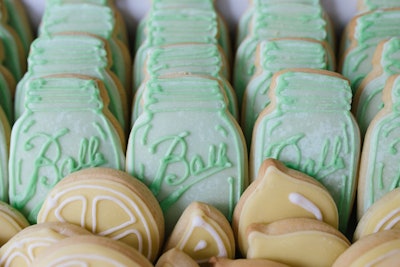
(384, 214)
(11, 222)
(223, 262)
(381, 249)
(29, 243)
(299, 242)
(91, 251)
(109, 203)
(202, 232)
(278, 193)
(175, 258)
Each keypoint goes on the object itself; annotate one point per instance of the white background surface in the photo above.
(340, 11)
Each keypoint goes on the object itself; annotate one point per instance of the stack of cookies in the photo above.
(15, 38)
(370, 59)
(185, 143)
(71, 105)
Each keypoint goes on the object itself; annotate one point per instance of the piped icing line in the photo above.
(387, 254)
(108, 232)
(391, 219)
(303, 202)
(82, 260)
(198, 221)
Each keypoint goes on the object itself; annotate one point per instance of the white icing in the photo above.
(127, 208)
(306, 204)
(382, 257)
(84, 260)
(393, 218)
(199, 222)
(202, 244)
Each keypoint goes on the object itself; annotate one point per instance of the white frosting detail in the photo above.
(18, 250)
(84, 260)
(201, 245)
(199, 222)
(391, 218)
(382, 257)
(127, 208)
(306, 204)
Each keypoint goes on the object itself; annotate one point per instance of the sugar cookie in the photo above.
(66, 127)
(175, 258)
(11, 222)
(296, 242)
(34, 240)
(380, 216)
(91, 251)
(368, 98)
(379, 173)
(224, 262)
(79, 18)
(363, 34)
(88, 197)
(186, 146)
(5, 133)
(278, 20)
(298, 195)
(272, 56)
(71, 53)
(381, 249)
(309, 127)
(369, 5)
(202, 232)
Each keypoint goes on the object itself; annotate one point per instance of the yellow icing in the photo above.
(9, 227)
(90, 255)
(302, 249)
(106, 208)
(382, 255)
(273, 198)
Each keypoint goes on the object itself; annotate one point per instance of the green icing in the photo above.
(310, 128)
(368, 5)
(276, 55)
(276, 21)
(6, 101)
(370, 97)
(381, 171)
(187, 147)
(182, 59)
(370, 29)
(4, 153)
(72, 54)
(93, 19)
(62, 130)
(13, 58)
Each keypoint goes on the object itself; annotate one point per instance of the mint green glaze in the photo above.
(368, 5)
(93, 19)
(273, 56)
(381, 151)
(370, 29)
(182, 59)
(370, 97)
(62, 130)
(187, 147)
(171, 26)
(72, 54)
(276, 21)
(310, 128)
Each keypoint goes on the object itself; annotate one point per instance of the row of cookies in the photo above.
(71, 104)
(272, 36)
(185, 143)
(370, 58)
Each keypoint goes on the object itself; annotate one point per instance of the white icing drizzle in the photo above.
(202, 244)
(306, 204)
(382, 257)
(84, 260)
(199, 222)
(393, 218)
(127, 208)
